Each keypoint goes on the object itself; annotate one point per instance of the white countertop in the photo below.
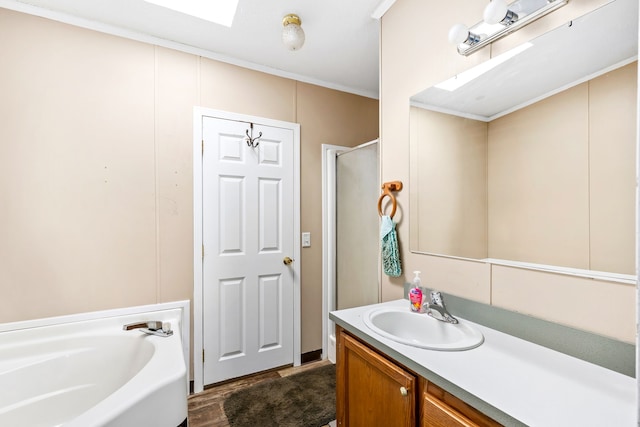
(533, 384)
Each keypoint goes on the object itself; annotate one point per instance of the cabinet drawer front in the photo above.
(441, 403)
(436, 413)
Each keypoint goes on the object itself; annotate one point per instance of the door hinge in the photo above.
(203, 355)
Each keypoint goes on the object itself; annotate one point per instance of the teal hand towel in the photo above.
(390, 253)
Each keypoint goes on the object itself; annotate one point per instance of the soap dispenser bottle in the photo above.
(415, 294)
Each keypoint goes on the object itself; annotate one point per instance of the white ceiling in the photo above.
(341, 48)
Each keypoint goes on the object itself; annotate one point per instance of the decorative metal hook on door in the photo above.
(251, 141)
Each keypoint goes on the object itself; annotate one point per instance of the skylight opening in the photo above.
(475, 72)
(217, 11)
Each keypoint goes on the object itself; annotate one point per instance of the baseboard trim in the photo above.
(311, 356)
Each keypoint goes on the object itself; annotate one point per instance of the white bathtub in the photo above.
(84, 370)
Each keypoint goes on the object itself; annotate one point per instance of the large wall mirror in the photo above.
(533, 159)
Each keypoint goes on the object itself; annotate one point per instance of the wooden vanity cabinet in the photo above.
(373, 390)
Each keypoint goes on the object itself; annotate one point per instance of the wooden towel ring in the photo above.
(387, 188)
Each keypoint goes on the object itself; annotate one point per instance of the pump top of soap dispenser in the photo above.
(416, 280)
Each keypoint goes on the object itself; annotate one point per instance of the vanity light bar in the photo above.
(489, 33)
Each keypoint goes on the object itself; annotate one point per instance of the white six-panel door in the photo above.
(247, 232)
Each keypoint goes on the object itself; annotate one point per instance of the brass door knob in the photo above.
(287, 260)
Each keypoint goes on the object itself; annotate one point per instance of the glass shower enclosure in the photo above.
(351, 236)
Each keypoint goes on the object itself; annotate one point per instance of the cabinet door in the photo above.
(371, 390)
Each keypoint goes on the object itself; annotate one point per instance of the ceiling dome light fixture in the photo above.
(292, 32)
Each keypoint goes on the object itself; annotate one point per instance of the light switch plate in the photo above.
(306, 239)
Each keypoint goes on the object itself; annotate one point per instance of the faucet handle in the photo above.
(436, 298)
(154, 325)
(157, 326)
(166, 327)
(438, 310)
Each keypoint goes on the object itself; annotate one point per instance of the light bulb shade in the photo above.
(292, 33)
(498, 12)
(458, 34)
(495, 11)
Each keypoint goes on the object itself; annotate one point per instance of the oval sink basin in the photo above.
(422, 330)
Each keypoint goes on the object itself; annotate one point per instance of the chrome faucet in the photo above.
(437, 309)
(152, 327)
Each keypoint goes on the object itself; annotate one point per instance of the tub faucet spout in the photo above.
(437, 309)
(153, 327)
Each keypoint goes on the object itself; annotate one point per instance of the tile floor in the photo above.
(205, 408)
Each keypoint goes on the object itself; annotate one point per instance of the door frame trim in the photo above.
(329, 153)
(198, 345)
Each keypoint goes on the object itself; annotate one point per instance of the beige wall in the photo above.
(325, 117)
(562, 177)
(612, 169)
(415, 54)
(539, 182)
(96, 166)
(449, 182)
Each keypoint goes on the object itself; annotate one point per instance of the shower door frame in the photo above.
(329, 196)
